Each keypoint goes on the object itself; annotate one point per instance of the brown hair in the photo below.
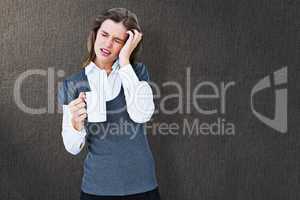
(129, 20)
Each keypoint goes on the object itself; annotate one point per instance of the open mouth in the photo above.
(105, 52)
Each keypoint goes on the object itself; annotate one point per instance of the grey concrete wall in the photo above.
(238, 42)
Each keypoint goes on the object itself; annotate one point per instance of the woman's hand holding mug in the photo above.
(78, 111)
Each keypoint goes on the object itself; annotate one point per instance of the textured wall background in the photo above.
(240, 41)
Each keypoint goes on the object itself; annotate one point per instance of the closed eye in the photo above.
(118, 41)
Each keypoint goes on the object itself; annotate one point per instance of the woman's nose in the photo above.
(109, 43)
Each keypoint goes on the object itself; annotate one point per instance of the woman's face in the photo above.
(110, 39)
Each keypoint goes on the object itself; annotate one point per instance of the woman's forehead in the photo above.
(114, 28)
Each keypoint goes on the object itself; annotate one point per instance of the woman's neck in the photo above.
(106, 66)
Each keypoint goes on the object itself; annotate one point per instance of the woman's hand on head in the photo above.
(133, 40)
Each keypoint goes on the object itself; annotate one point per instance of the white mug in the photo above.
(96, 107)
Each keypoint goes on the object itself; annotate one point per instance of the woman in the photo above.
(119, 162)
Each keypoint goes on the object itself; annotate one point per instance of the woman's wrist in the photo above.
(123, 61)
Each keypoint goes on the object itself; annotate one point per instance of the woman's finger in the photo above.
(131, 36)
(81, 95)
(137, 36)
(78, 100)
(82, 117)
(81, 111)
(75, 102)
(80, 105)
(77, 107)
(79, 117)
